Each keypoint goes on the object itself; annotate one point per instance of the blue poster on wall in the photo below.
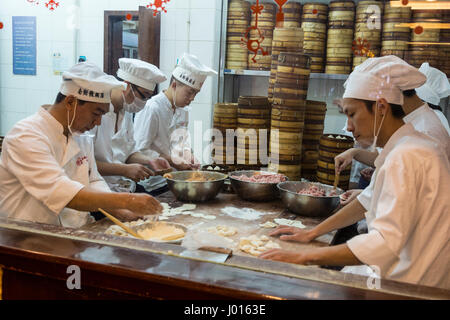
(24, 45)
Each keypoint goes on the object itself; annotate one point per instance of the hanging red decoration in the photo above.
(405, 2)
(51, 5)
(280, 14)
(158, 6)
(361, 48)
(255, 45)
(129, 16)
(1, 25)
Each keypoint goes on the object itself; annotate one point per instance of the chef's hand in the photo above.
(125, 215)
(349, 196)
(137, 172)
(160, 165)
(367, 173)
(143, 204)
(344, 159)
(293, 234)
(285, 256)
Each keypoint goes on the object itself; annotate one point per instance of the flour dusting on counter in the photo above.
(244, 213)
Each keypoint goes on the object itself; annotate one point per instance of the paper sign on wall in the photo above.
(24, 45)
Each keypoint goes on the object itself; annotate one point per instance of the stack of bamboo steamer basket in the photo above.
(253, 115)
(445, 38)
(225, 118)
(237, 24)
(314, 125)
(288, 114)
(266, 24)
(330, 146)
(1, 143)
(424, 43)
(394, 38)
(341, 23)
(314, 25)
(292, 15)
(284, 40)
(367, 19)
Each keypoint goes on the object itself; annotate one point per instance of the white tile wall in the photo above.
(188, 26)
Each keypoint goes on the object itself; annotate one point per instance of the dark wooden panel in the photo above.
(149, 36)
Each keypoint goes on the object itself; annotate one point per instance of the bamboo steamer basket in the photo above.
(315, 12)
(341, 11)
(397, 12)
(284, 40)
(292, 14)
(293, 172)
(238, 21)
(330, 147)
(313, 130)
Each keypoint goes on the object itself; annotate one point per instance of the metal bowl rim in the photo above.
(224, 177)
(280, 187)
(257, 183)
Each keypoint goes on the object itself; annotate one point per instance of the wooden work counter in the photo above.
(34, 259)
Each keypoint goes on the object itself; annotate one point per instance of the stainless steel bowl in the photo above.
(191, 191)
(253, 191)
(306, 205)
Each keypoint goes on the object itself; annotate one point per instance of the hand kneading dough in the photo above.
(255, 245)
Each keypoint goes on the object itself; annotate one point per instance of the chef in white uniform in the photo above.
(408, 218)
(118, 160)
(48, 172)
(161, 129)
(436, 88)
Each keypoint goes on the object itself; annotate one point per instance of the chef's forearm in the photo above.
(107, 169)
(91, 200)
(138, 158)
(339, 255)
(366, 157)
(348, 215)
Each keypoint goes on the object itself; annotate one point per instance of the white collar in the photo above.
(410, 117)
(43, 112)
(405, 130)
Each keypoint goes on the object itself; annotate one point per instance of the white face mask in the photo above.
(136, 106)
(70, 123)
(373, 147)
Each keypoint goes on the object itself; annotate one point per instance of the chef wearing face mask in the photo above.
(407, 219)
(48, 172)
(436, 88)
(118, 160)
(162, 127)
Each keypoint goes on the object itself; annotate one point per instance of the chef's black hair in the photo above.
(397, 110)
(409, 93)
(60, 98)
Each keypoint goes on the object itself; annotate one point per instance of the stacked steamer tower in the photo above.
(288, 114)
(368, 30)
(341, 23)
(266, 24)
(314, 26)
(238, 23)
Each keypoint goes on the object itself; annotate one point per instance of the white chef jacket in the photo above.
(112, 147)
(153, 129)
(443, 119)
(424, 120)
(41, 171)
(408, 217)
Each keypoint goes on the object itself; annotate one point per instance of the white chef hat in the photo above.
(385, 77)
(87, 82)
(140, 73)
(436, 87)
(192, 72)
